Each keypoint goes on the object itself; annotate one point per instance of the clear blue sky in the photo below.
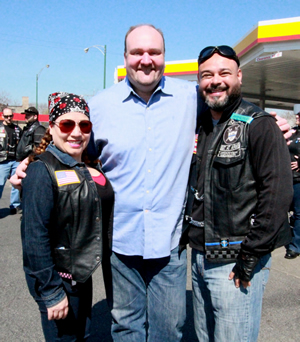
(39, 32)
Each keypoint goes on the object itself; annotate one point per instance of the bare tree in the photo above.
(43, 107)
(4, 99)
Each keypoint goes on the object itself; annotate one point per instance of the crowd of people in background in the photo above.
(15, 145)
(293, 248)
(166, 178)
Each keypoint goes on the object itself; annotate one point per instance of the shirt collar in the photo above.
(128, 91)
(62, 156)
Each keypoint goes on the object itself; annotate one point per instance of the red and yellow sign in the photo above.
(269, 31)
(172, 69)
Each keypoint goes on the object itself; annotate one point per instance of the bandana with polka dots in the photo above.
(61, 103)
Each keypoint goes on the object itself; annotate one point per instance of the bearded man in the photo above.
(240, 190)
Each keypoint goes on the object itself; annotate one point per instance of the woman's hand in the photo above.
(59, 311)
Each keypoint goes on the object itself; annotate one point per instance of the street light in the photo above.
(103, 51)
(37, 86)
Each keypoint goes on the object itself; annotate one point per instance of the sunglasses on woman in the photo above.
(67, 126)
(223, 50)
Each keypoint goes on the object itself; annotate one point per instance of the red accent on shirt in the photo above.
(99, 179)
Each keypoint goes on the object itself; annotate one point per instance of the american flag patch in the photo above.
(196, 142)
(66, 177)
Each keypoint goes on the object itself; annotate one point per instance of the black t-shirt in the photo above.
(11, 141)
(106, 194)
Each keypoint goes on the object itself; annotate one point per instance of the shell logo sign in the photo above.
(188, 67)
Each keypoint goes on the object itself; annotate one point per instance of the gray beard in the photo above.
(219, 105)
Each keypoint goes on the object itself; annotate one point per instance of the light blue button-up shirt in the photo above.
(146, 151)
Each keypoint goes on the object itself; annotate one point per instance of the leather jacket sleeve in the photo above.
(38, 135)
(38, 202)
(271, 166)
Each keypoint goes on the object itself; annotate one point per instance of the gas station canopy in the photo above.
(270, 61)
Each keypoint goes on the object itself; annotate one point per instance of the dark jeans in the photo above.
(76, 326)
(295, 243)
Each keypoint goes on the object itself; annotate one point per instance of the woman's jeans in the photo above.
(76, 326)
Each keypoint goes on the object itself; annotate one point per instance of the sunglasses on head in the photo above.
(7, 116)
(223, 50)
(67, 126)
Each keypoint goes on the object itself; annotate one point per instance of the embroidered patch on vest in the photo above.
(232, 134)
(196, 143)
(66, 177)
(231, 146)
(240, 117)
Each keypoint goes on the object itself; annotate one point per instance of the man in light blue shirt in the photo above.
(144, 127)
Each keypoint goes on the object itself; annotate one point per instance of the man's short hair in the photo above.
(3, 109)
(140, 25)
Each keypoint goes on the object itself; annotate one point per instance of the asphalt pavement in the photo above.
(19, 316)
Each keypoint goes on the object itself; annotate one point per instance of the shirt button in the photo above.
(149, 128)
(97, 219)
(98, 238)
(149, 170)
(96, 199)
(150, 149)
(97, 257)
(147, 191)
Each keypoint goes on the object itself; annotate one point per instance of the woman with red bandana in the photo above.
(67, 221)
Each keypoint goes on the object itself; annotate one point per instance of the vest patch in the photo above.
(230, 151)
(196, 143)
(66, 177)
(231, 146)
(240, 117)
(232, 134)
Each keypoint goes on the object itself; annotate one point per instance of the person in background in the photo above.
(10, 135)
(67, 221)
(240, 190)
(33, 132)
(293, 248)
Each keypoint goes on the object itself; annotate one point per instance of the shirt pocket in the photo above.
(228, 172)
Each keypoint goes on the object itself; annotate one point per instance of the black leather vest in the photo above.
(8, 149)
(26, 144)
(230, 193)
(76, 224)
